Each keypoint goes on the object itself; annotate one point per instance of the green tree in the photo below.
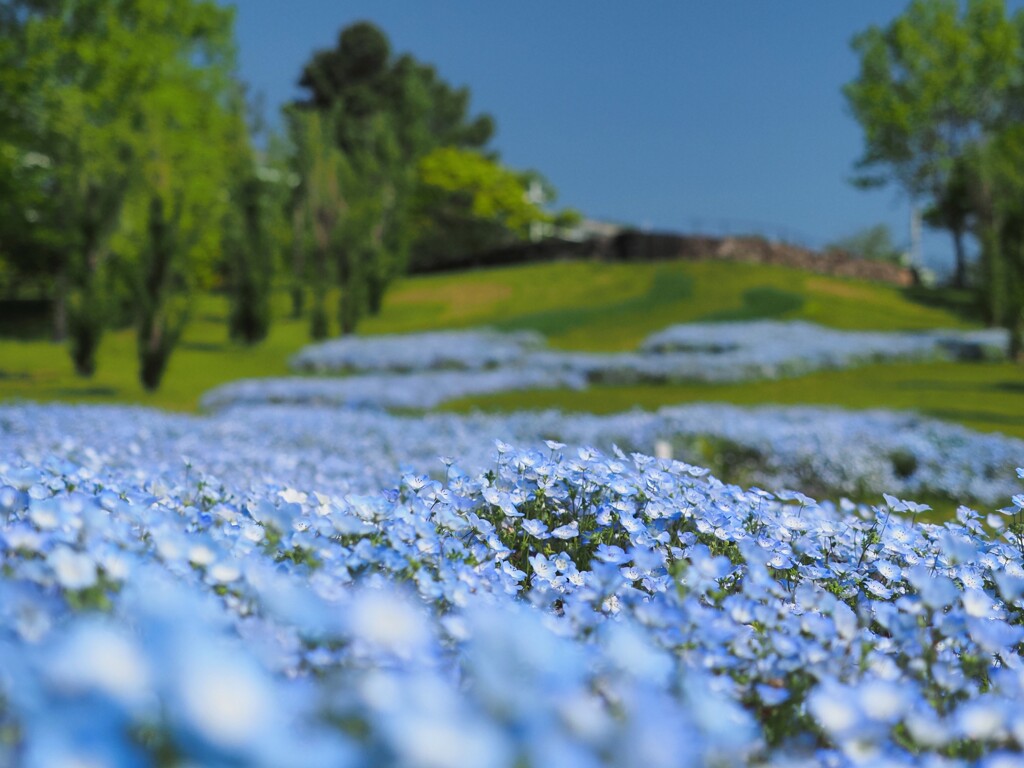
(253, 231)
(467, 202)
(249, 262)
(319, 209)
(387, 113)
(995, 184)
(30, 252)
(172, 232)
(73, 107)
(126, 101)
(874, 243)
(951, 210)
(362, 79)
(932, 85)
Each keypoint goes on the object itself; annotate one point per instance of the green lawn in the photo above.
(578, 305)
(205, 358)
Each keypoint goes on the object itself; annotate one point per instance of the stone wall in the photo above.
(647, 246)
(837, 263)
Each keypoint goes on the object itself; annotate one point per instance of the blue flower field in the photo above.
(335, 585)
(330, 438)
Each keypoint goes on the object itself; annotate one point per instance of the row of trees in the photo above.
(394, 173)
(107, 191)
(940, 96)
(129, 179)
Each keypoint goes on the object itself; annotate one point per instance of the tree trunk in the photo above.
(348, 309)
(318, 322)
(298, 276)
(152, 358)
(298, 296)
(1016, 346)
(60, 307)
(991, 272)
(86, 327)
(376, 285)
(318, 328)
(960, 276)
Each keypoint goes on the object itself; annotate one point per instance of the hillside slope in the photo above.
(612, 307)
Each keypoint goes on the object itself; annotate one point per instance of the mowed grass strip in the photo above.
(988, 397)
(577, 305)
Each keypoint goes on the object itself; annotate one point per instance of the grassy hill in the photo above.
(613, 306)
(578, 305)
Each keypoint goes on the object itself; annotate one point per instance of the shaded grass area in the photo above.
(761, 303)
(988, 397)
(25, 319)
(960, 301)
(666, 289)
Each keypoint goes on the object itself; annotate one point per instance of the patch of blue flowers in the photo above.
(422, 389)
(426, 369)
(778, 342)
(434, 350)
(713, 352)
(822, 451)
(248, 604)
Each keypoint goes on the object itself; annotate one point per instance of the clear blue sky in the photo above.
(666, 114)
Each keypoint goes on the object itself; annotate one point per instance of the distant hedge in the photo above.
(25, 318)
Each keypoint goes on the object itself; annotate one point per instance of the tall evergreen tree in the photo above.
(387, 114)
(320, 207)
(251, 239)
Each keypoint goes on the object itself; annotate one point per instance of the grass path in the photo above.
(988, 397)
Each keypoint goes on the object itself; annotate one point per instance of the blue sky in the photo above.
(663, 114)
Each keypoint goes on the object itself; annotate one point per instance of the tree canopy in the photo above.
(419, 181)
(466, 202)
(938, 81)
(362, 79)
